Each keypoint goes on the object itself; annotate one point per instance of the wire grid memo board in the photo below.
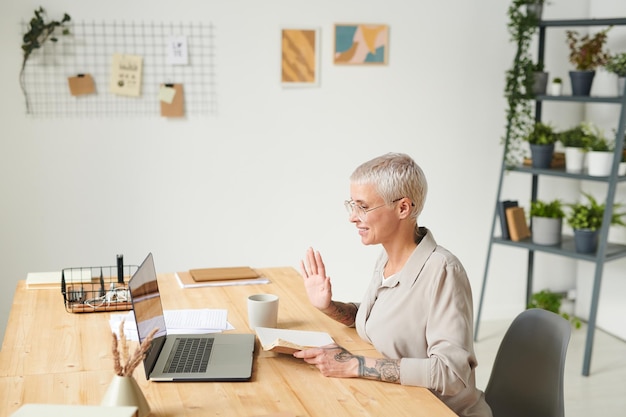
(89, 48)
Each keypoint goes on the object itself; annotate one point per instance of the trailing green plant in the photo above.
(550, 209)
(557, 80)
(616, 64)
(519, 82)
(590, 215)
(39, 32)
(574, 138)
(551, 301)
(586, 51)
(541, 134)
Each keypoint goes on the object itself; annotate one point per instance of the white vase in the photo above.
(556, 89)
(574, 159)
(599, 163)
(124, 391)
(621, 169)
(546, 231)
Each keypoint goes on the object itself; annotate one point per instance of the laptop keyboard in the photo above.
(189, 355)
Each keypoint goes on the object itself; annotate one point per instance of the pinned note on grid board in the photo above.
(171, 97)
(81, 84)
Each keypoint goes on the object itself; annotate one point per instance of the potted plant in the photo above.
(39, 31)
(541, 138)
(535, 8)
(556, 87)
(522, 27)
(540, 79)
(586, 220)
(576, 145)
(547, 221)
(616, 64)
(600, 155)
(551, 301)
(586, 54)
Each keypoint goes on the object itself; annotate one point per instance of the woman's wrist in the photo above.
(342, 312)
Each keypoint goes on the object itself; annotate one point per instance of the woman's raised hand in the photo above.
(316, 283)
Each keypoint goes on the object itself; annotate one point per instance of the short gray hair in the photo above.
(395, 175)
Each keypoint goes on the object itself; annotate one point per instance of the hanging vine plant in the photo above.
(519, 81)
(39, 31)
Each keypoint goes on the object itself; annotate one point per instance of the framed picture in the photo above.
(300, 62)
(361, 44)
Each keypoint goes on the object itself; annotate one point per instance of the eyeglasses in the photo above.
(361, 212)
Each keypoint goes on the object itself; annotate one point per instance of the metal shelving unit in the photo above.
(606, 251)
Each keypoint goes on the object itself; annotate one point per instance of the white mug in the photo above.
(262, 310)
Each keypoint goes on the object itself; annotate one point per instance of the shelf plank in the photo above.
(566, 248)
(583, 22)
(560, 172)
(582, 99)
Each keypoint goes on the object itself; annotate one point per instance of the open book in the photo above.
(289, 341)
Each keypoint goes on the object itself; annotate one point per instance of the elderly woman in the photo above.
(418, 308)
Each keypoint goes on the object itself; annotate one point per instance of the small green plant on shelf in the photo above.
(574, 137)
(552, 301)
(39, 31)
(596, 140)
(541, 134)
(587, 51)
(590, 215)
(616, 64)
(550, 209)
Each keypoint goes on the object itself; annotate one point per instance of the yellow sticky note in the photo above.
(166, 94)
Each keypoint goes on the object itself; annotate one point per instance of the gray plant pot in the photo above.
(546, 231)
(540, 83)
(536, 9)
(581, 82)
(585, 240)
(621, 83)
(541, 155)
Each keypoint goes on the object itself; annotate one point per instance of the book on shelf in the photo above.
(502, 206)
(516, 222)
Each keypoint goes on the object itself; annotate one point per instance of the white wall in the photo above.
(266, 177)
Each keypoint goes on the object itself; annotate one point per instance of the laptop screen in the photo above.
(144, 292)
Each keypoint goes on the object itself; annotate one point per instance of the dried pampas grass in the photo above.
(123, 363)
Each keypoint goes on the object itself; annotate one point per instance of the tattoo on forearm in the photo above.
(343, 355)
(343, 313)
(387, 370)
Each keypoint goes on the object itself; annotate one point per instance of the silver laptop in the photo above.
(192, 357)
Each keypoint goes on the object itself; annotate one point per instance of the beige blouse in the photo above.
(424, 316)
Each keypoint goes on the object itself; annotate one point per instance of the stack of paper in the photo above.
(187, 321)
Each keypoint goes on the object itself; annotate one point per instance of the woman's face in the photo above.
(377, 226)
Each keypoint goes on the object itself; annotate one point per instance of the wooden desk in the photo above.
(52, 356)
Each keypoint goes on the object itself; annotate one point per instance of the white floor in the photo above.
(602, 393)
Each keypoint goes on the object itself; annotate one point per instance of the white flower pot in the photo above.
(621, 170)
(574, 159)
(124, 391)
(556, 89)
(599, 163)
(546, 231)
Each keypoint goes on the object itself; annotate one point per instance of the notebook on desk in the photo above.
(193, 357)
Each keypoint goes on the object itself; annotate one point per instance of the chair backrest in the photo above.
(527, 375)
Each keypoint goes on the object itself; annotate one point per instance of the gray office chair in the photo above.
(527, 375)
